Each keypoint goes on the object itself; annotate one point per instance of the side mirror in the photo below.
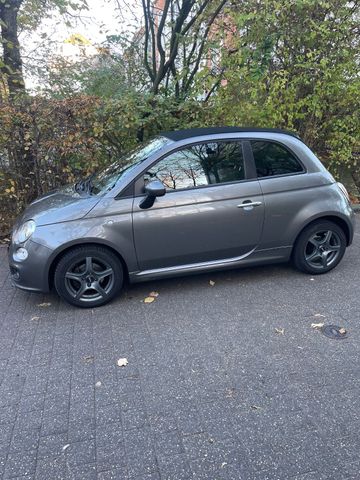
(153, 189)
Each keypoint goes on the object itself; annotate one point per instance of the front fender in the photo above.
(111, 229)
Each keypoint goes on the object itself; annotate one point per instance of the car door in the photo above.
(212, 210)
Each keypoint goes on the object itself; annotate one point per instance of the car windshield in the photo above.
(107, 178)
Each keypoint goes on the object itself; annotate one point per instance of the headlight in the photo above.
(24, 232)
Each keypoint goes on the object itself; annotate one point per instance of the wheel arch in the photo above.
(89, 242)
(331, 218)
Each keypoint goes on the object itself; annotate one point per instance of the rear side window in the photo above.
(273, 159)
(200, 165)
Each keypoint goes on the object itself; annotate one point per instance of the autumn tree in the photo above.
(296, 65)
(24, 14)
(11, 63)
(176, 39)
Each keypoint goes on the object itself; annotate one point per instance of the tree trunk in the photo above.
(11, 68)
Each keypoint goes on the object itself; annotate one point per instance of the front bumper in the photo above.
(33, 273)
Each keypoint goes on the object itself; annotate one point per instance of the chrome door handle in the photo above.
(249, 204)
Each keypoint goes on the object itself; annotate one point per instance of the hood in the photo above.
(61, 205)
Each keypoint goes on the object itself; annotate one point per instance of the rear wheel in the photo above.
(88, 276)
(319, 247)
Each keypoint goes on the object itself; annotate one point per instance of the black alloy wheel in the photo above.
(319, 248)
(88, 276)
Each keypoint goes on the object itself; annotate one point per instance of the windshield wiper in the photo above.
(78, 187)
(88, 185)
(84, 186)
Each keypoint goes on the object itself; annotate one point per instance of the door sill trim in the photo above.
(193, 266)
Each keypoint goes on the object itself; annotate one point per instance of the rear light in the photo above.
(343, 191)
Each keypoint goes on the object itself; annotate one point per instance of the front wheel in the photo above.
(319, 248)
(88, 276)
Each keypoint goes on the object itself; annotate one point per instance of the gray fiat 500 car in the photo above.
(187, 201)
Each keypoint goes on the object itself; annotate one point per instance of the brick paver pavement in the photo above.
(211, 390)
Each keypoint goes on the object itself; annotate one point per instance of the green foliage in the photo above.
(32, 12)
(296, 66)
(45, 143)
(291, 64)
(115, 71)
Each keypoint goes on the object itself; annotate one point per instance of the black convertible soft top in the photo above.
(177, 135)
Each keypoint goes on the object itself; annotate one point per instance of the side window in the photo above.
(273, 159)
(200, 165)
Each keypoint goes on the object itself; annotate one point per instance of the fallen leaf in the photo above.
(44, 304)
(88, 359)
(149, 299)
(65, 447)
(122, 362)
(317, 325)
(211, 283)
(280, 331)
(230, 392)
(98, 384)
(154, 294)
(35, 318)
(342, 331)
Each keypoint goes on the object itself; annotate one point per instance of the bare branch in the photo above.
(160, 31)
(151, 21)
(185, 23)
(194, 19)
(214, 87)
(146, 42)
(203, 43)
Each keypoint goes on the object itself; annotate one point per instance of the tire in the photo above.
(89, 277)
(319, 247)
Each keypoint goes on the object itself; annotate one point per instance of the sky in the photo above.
(104, 18)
